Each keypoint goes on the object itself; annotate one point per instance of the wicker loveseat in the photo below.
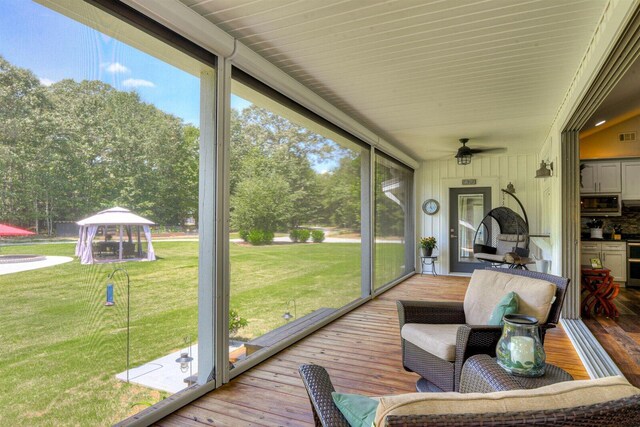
(604, 402)
(438, 337)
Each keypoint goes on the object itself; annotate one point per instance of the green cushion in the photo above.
(507, 305)
(360, 411)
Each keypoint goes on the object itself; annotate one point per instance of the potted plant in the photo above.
(427, 245)
(595, 226)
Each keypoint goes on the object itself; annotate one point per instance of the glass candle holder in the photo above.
(519, 350)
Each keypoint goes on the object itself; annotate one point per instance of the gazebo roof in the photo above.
(116, 215)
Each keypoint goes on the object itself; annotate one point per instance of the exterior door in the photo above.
(467, 208)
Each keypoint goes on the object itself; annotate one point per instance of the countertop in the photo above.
(589, 239)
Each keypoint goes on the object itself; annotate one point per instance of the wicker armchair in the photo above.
(439, 374)
(620, 412)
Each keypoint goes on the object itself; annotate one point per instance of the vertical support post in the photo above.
(222, 290)
(409, 225)
(570, 226)
(366, 230)
(206, 227)
(371, 223)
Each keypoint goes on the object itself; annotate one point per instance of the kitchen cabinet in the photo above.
(600, 177)
(612, 254)
(630, 179)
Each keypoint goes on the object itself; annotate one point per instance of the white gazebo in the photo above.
(119, 222)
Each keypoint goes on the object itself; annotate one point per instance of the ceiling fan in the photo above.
(464, 154)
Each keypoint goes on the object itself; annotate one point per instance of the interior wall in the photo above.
(614, 20)
(605, 143)
(435, 176)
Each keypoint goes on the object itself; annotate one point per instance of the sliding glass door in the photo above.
(393, 213)
(106, 114)
(295, 207)
(98, 119)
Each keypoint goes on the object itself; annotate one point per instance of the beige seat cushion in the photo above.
(439, 340)
(487, 287)
(511, 238)
(490, 257)
(556, 396)
(501, 258)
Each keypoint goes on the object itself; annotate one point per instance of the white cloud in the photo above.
(46, 82)
(115, 67)
(137, 83)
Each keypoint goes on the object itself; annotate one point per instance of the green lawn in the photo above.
(265, 278)
(61, 347)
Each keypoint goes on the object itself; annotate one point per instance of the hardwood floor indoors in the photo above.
(361, 351)
(621, 337)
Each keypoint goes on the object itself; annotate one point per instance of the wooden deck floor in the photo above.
(361, 351)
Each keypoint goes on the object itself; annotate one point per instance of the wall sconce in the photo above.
(544, 172)
(287, 315)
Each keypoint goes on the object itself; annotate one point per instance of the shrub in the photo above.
(299, 235)
(317, 236)
(244, 235)
(304, 235)
(260, 237)
(236, 322)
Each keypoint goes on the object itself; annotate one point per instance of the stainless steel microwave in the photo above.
(601, 205)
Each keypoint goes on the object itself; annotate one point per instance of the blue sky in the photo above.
(55, 47)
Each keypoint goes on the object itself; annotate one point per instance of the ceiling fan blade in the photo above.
(488, 150)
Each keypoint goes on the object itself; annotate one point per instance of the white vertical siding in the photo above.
(434, 177)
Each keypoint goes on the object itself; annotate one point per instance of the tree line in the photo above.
(71, 149)
(74, 148)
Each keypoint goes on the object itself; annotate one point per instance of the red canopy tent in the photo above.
(9, 230)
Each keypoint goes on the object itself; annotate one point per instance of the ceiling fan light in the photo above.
(463, 158)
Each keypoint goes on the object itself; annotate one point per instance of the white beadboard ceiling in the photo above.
(423, 74)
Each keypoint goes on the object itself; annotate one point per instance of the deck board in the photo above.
(361, 351)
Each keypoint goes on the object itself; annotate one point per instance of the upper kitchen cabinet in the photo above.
(630, 179)
(600, 177)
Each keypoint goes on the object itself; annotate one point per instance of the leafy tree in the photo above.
(24, 114)
(74, 148)
(340, 194)
(263, 144)
(129, 152)
(261, 204)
